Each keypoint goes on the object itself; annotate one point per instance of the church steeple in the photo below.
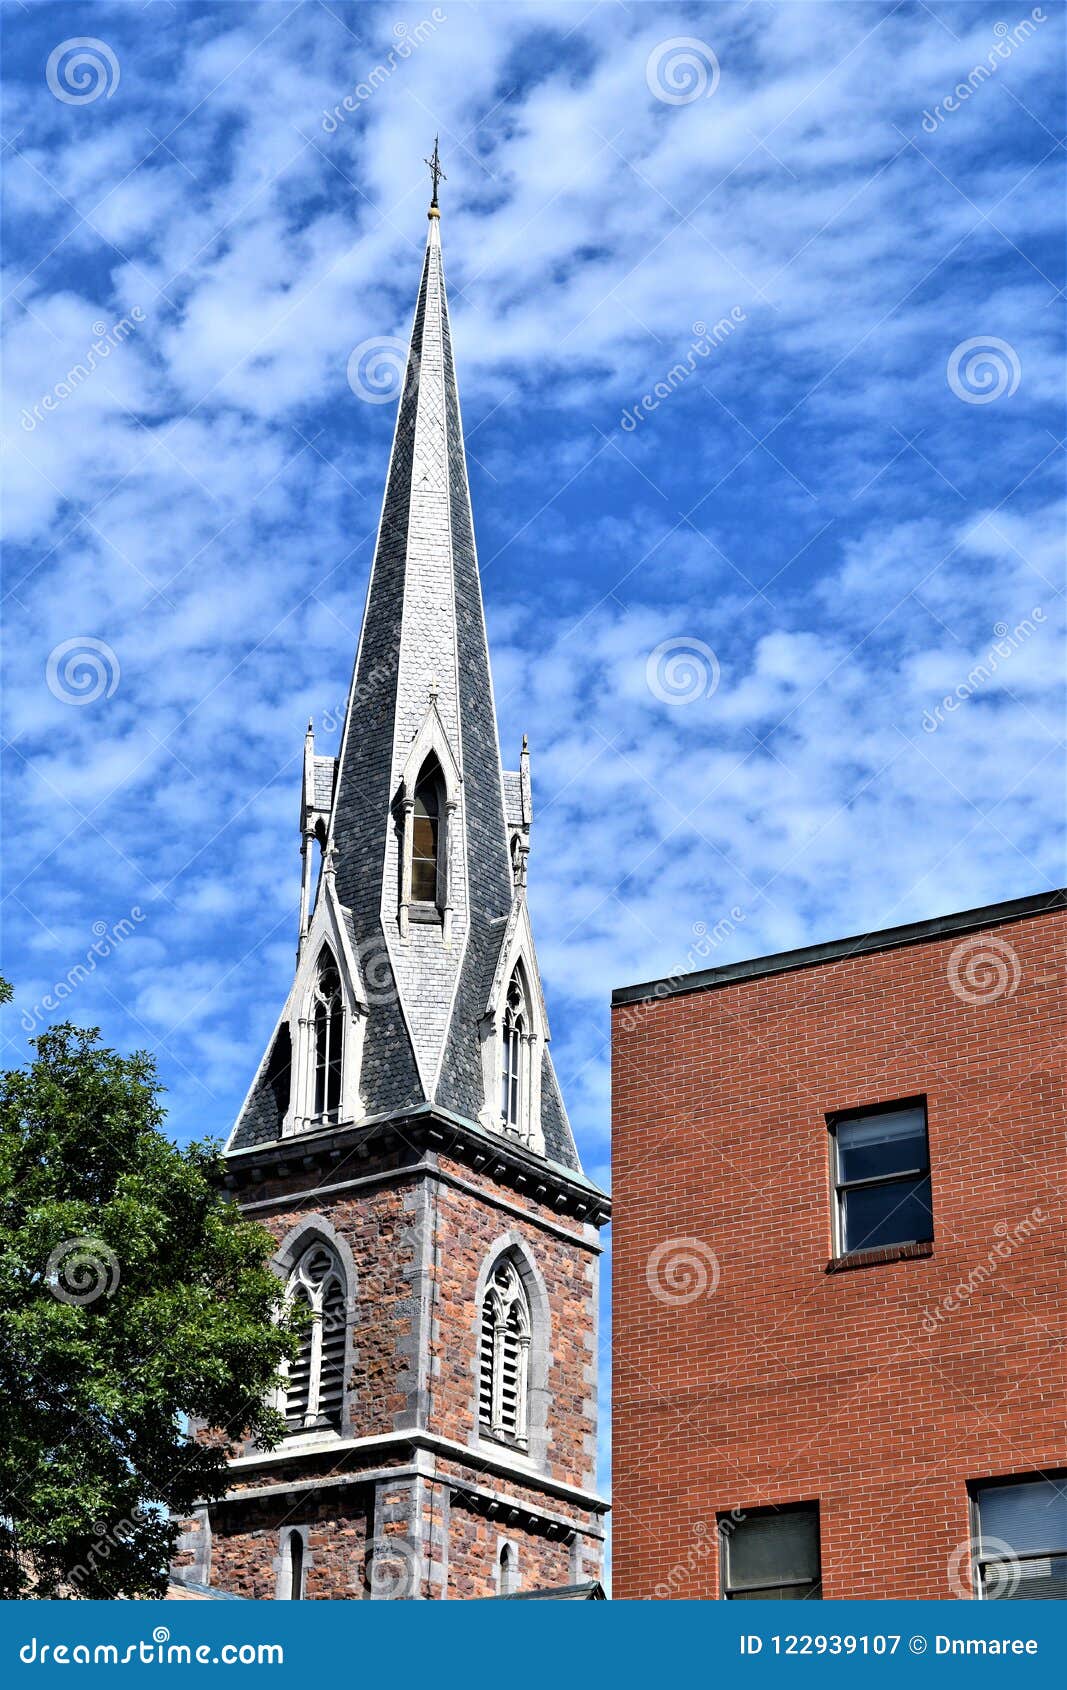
(425, 835)
(405, 1139)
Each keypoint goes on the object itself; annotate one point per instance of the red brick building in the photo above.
(839, 1182)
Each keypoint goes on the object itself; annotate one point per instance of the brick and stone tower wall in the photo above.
(405, 1138)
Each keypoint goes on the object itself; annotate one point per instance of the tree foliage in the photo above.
(135, 1303)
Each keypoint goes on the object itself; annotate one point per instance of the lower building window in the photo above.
(771, 1555)
(1020, 1539)
(881, 1163)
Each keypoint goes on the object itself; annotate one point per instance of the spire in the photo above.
(437, 174)
(423, 881)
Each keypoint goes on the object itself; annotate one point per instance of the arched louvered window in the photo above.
(504, 1360)
(328, 1022)
(515, 1031)
(426, 835)
(314, 1386)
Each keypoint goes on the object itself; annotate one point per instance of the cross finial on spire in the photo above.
(438, 176)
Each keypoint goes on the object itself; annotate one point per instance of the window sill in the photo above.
(518, 1446)
(884, 1253)
(428, 915)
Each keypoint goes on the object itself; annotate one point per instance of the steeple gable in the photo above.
(421, 902)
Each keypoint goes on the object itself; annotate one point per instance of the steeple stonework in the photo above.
(405, 1137)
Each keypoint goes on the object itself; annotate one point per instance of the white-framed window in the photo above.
(771, 1554)
(504, 1355)
(314, 1381)
(1020, 1538)
(881, 1171)
(328, 1039)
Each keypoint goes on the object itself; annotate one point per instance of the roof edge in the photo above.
(837, 950)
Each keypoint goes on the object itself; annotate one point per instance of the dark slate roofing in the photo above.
(513, 797)
(836, 950)
(325, 772)
(394, 644)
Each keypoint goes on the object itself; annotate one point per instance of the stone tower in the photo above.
(405, 1138)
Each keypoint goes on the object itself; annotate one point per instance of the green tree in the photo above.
(134, 1304)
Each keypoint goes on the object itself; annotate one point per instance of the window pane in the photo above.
(879, 1145)
(424, 833)
(774, 1546)
(887, 1214)
(424, 881)
(1043, 1580)
(780, 1593)
(1027, 1516)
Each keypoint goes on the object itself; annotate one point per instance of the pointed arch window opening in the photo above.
(504, 1360)
(294, 1566)
(314, 1380)
(507, 1571)
(328, 1037)
(516, 1049)
(427, 855)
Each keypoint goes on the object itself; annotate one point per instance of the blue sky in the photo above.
(845, 500)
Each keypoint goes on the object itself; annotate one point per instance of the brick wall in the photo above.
(756, 1377)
